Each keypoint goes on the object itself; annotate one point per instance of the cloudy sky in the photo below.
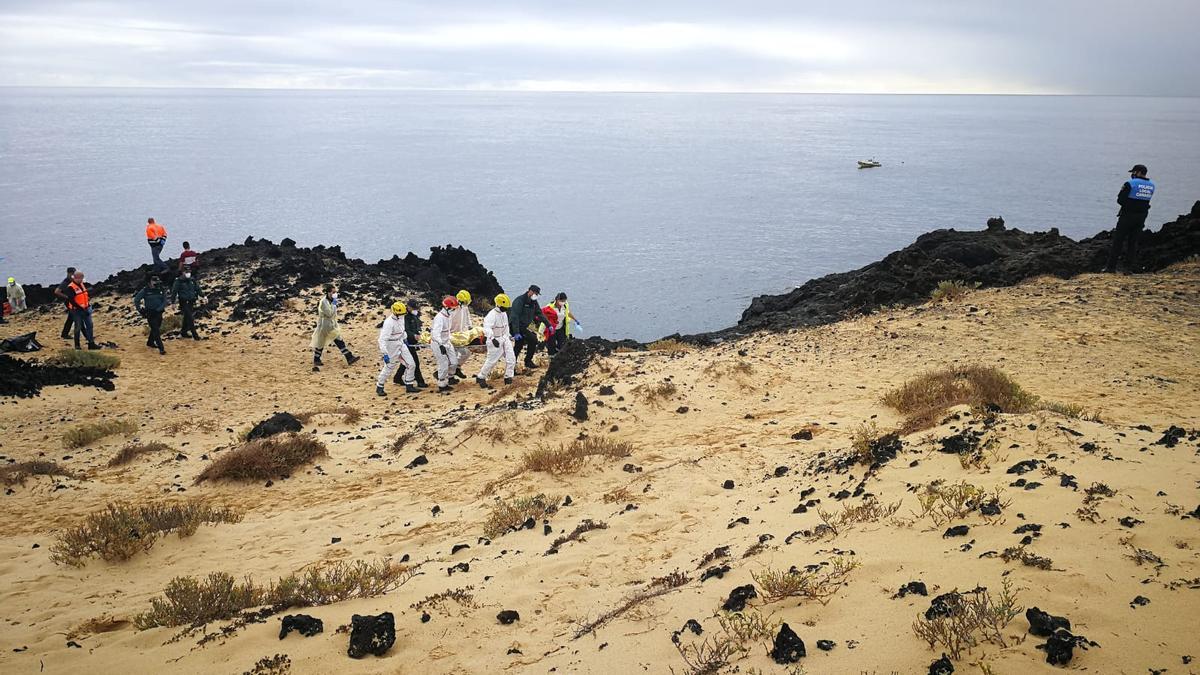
(1144, 47)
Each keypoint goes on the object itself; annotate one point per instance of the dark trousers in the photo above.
(398, 378)
(1125, 242)
(529, 343)
(188, 309)
(156, 253)
(556, 341)
(155, 320)
(82, 319)
(67, 325)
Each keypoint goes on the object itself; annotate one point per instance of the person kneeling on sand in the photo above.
(497, 337)
(460, 322)
(151, 302)
(443, 348)
(393, 345)
(327, 329)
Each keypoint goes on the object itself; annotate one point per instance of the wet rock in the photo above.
(942, 666)
(303, 624)
(371, 634)
(913, 588)
(738, 598)
(508, 616)
(788, 647)
(581, 407)
(1043, 624)
(956, 531)
(278, 423)
(826, 645)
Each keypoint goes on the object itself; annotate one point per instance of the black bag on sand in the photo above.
(21, 343)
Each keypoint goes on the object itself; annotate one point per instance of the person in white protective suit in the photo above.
(395, 351)
(442, 347)
(16, 296)
(499, 342)
(460, 322)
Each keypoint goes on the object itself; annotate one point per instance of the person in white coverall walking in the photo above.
(16, 296)
(393, 347)
(460, 322)
(499, 342)
(442, 347)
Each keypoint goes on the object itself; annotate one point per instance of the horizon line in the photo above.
(757, 92)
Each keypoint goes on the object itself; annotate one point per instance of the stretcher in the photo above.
(458, 339)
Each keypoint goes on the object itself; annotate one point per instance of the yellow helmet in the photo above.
(464, 297)
(503, 301)
(12, 280)
(398, 308)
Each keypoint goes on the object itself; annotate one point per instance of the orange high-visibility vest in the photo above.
(154, 231)
(80, 295)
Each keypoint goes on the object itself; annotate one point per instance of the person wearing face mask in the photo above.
(16, 296)
(327, 329)
(186, 290)
(562, 329)
(498, 339)
(412, 338)
(63, 292)
(189, 261)
(79, 301)
(151, 302)
(460, 322)
(441, 346)
(1134, 199)
(393, 345)
(524, 317)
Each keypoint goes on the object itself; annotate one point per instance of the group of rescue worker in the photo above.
(508, 328)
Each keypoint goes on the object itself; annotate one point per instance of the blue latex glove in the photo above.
(387, 359)
(579, 325)
(517, 337)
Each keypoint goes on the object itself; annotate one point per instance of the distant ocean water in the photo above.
(656, 213)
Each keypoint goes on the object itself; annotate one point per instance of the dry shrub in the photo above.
(655, 588)
(569, 458)
(1027, 558)
(869, 511)
(265, 458)
(349, 415)
(970, 618)
(655, 394)
(951, 290)
(122, 530)
(171, 323)
(862, 438)
(925, 399)
(1071, 410)
(739, 632)
(12, 474)
(397, 444)
(128, 453)
(188, 601)
(511, 514)
(280, 664)
(86, 434)
(671, 346)
(464, 597)
(815, 582)
(577, 534)
(944, 503)
(190, 426)
(75, 358)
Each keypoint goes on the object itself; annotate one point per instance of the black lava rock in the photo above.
(419, 460)
(371, 635)
(802, 435)
(956, 531)
(278, 423)
(303, 624)
(581, 407)
(942, 666)
(738, 598)
(508, 616)
(25, 379)
(1129, 521)
(1171, 437)
(942, 605)
(694, 626)
(1139, 601)
(914, 588)
(714, 572)
(1060, 647)
(728, 484)
(1024, 466)
(780, 471)
(826, 645)
(788, 647)
(1043, 624)
(607, 390)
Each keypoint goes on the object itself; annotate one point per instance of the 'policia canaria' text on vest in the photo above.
(1141, 189)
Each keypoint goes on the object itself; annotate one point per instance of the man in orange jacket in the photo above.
(81, 310)
(156, 236)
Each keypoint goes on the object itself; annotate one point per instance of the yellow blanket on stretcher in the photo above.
(459, 339)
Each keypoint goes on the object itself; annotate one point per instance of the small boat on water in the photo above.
(868, 164)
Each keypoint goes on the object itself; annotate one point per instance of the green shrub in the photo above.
(76, 358)
(122, 530)
(926, 398)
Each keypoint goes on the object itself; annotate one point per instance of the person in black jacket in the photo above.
(186, 290)
(1134, 199)
(151, 302)
(412, 331)
(62, 292)
(526, 311)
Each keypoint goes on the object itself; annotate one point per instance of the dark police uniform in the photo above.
(1134, 199)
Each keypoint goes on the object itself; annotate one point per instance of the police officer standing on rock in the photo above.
(1134, 199)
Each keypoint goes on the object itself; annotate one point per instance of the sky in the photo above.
(1131, 47)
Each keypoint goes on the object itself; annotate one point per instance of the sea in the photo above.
(655, 213)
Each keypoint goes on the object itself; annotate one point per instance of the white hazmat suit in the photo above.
(499, 343)
(460, 322)
(391, 344)
(442, 347)
(16, 297)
